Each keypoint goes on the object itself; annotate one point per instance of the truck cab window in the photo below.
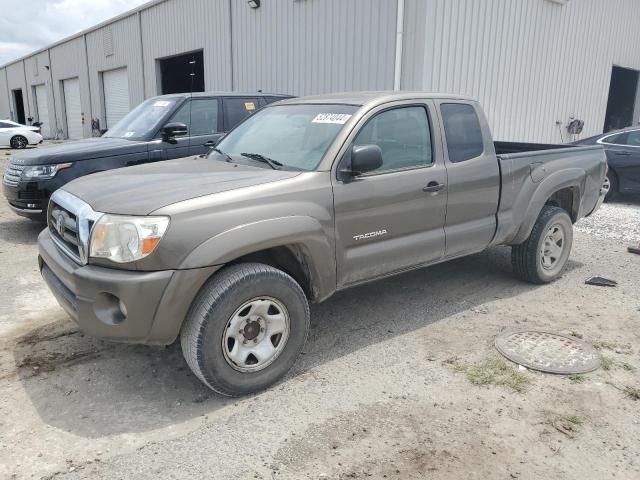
(403, 135)
(462, 130)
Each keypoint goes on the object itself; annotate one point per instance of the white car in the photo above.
(16, 135)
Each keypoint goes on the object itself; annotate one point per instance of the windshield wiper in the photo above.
(261, 158)
(226, 156)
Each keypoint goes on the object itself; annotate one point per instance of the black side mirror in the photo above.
(363, 159)
(172, 130)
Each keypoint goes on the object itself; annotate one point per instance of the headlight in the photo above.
(123, 239)
(43, 171)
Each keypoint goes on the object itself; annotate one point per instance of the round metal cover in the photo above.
(548, 352)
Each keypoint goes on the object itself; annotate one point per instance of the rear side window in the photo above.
(237, 109)
(463, 132)
(634, 138)
(618, 139)
(199, 115)
(402, 134)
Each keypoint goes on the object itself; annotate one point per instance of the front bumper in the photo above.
(120, 305)
(29, 199)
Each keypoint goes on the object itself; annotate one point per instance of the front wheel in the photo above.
(543, 255)
(245, 328)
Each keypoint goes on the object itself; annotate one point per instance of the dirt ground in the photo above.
(399, 380)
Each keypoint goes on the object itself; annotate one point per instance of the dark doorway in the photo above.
(622, 98)
(18, 103)
(175, 73)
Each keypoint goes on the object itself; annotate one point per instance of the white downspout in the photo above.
(397, 72)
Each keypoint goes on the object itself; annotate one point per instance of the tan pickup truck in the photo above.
(304, 198)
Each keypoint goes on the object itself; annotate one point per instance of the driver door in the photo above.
(393, 218)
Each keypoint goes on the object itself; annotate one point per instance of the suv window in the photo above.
(236, 109)
(403, 135)
(463, 132)
(203, 115)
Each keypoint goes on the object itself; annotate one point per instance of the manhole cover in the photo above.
(548, 352)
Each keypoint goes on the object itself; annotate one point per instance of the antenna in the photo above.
(193, 76)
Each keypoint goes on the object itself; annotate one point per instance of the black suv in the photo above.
(161, 128)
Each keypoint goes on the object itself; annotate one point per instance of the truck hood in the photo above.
(81, 150)
(143, 189)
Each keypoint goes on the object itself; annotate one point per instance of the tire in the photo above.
(18, 142)
(612, 180)
(528, 259)
(219, 312)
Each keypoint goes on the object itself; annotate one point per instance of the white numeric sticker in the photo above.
(340, 118)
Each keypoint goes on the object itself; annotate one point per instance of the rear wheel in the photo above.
(245, 329)
(611, 185)
(542, 256)
(19, 142)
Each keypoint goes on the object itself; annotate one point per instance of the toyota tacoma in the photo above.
(306, 197)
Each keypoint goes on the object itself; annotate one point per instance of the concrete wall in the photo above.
(530, 63)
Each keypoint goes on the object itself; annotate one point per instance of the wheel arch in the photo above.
(562, 189)
(296, 245)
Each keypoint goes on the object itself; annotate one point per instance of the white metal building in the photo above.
(534, 64)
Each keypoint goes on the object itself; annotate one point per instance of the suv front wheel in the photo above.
(245, 328)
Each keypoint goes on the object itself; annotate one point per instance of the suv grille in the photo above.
(12, 173)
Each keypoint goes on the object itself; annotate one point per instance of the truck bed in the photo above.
(521, 147)
(533, 173)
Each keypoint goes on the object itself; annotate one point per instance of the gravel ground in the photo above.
(619, 220)
(396, 381)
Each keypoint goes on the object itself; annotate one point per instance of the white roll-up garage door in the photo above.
(43, 110)
(116, 95)
(72, 107)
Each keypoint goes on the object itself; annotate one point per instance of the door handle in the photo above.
(625, 154)
(210, 144)
(433, 187)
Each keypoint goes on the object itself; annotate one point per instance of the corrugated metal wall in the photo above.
(180, 26)
(37, 74)
(68, 60)
(310, 46)
(4, 95)
(530, 63)
(16, 80)
(114, 46)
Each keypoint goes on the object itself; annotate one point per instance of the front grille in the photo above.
(12, 173)
(63, 225)
(70, 221)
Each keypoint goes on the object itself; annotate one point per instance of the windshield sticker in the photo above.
(161, 103)
(340, 118)
(129, 134)
(249, 106)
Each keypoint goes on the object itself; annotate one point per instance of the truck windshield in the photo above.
(142, 120)
(296, 136)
